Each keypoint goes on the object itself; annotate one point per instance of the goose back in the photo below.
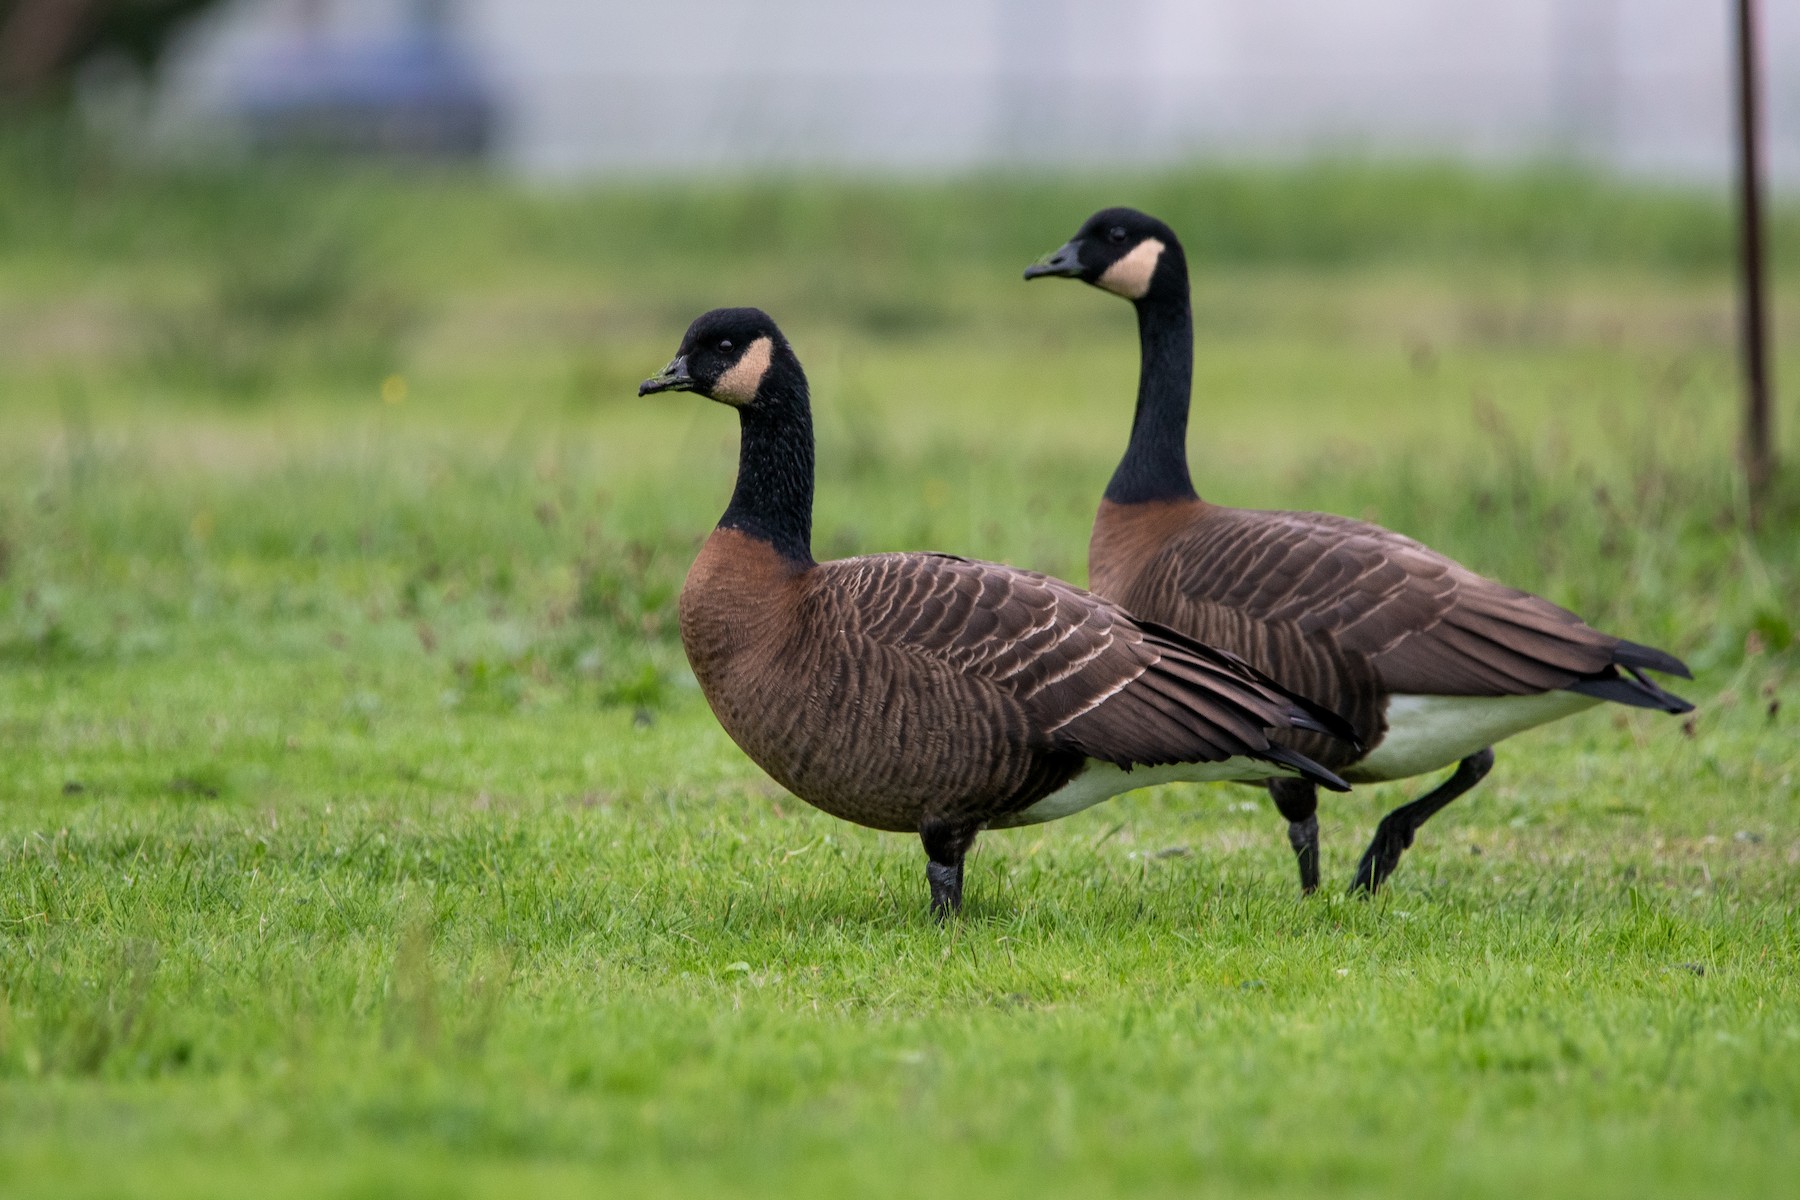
(1339, 609)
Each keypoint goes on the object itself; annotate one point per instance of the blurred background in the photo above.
(326, 317)
(566, 88)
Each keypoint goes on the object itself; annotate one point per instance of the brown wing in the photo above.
(1425, 623)
(1086, 676)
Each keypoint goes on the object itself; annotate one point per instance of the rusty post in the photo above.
(1758, 446)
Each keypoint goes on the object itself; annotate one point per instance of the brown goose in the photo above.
(927, 693)
(1429, 661)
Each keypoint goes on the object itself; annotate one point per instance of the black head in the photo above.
(1122, 250)
(726, 355)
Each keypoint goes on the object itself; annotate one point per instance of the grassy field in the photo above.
(362, 833)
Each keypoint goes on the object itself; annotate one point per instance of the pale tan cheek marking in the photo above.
(738, 385)
(1130, 276)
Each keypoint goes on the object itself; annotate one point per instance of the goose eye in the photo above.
(725, 345)
(1116, 234)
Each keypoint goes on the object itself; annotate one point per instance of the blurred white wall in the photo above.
(606, 86)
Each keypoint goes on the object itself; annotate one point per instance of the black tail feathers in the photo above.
(1308, 769)
(1649, 658)
(1632, 686)
(1316, 717)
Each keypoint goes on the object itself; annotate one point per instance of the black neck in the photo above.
(1155, 463)
(773, 499)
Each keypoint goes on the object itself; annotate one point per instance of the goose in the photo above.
(1429, 661)
(927, 693)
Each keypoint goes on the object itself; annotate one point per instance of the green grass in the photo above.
(362, 833)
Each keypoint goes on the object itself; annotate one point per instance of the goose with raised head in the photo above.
(932, 694)
(1430, 662)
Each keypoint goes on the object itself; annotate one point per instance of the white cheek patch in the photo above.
(1130, 276)
(738, 385)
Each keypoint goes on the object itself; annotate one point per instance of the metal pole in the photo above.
(1759, 447)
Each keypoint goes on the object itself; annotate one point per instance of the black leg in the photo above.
(1298, 801)
(1395, 833)
(947, 844)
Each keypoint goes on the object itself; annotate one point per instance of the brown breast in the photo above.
(737, 602)
(1128, 537)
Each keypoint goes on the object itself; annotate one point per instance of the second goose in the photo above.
(927, 693)
(1430, 662)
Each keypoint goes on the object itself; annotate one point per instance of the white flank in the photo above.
(1429, 732)
(1102, 781)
